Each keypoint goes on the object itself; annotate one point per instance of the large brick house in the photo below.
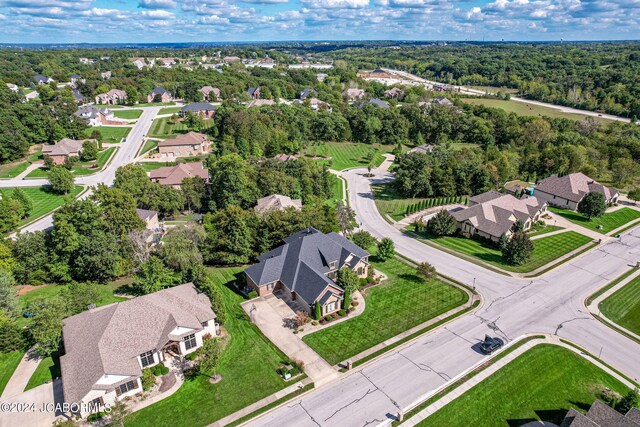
(305, 269)
(174, 175)
(567, 191)
(159, 94)
(64, 148)
(114, 96)
(185, 145)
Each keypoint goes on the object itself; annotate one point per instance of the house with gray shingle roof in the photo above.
(254, 92)
(202, 109)
(305, 269)
(42, 80)
(106, 348)
(601, 415)
(494, 214)
(567, 191)
(159, 94)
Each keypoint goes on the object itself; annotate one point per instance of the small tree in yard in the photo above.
(61, 179)
(634, 194)
(89, 150)
(347, 280)
(630, 400)
(386, 249)
(518, 249)
(442, 224)
(426, 271)
(210, 353)
(363, 239)
(346, 218)
(592, 205)
(317, 311)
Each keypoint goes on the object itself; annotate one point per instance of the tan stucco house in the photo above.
(305, 269)
(567, 191)
(106, 348)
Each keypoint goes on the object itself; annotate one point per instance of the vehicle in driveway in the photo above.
(490, 344)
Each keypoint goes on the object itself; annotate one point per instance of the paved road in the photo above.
(512, 307)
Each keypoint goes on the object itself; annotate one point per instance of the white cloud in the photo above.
(157, 4)
(335, 4)
(157, 14)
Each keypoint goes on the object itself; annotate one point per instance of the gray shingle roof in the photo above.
(306, 92)
(159, 91)
(601, 415)
(198, 106)
(302, 263)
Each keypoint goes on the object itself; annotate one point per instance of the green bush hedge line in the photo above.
(436, 201)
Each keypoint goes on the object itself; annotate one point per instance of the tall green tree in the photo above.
(519, 249)
(386, 249)
(61, 180)
(592, 205)
(153, 276)
(348, 281)
(442, 224)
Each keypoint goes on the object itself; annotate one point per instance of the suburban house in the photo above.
(64, 148)
(494, 214)
(42, 80)
(394, 93)
(441, 100)
(210, 94)
(376, 102)
(307, 92)
(353, 94)
(567, 191)
(202, 109)
(150, 218)
(276, 202)
(601, 415)
(254, 92)
(321, 76)
(174, 175)
(285, 157)
(230, 59)
(305, 268)
(94, 116)
(423, 149)
(76, 78)
(13, 87)
(166, 62)
(184, 145)
(159, 94)
(261, 103)
(139, 63)
(106, 348)
(106, 75)
(114, 96)
(80, 98)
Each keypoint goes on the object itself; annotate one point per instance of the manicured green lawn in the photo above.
(546, 249)
(8, 364)
(170, 110)
(150, 166)
(148, 146)
(248, 368)
(390, 202)
(540, 384)
(399, 304)
(161, 128)
(110, 133)
(128, 114)
(623, 307)
(11, 170)
(42, 199)
(48, 369)
(609, 221)
(336, 190)
(537, 230)
(80, 168)
(346, 155)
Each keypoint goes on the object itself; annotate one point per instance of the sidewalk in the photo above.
(22, 374)
(565, 223)
(33, 166)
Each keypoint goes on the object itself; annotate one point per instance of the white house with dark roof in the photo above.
(567, 191)
(305, 269)
(494, 214)
(106, 348)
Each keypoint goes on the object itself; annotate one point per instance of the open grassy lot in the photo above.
(390, 202)
(609, 221)
(161, 128)
(13, 169)
(540, 384)
(42, 198)
(110, 133)
(546, 249)
(526, 109)
(399, 304)
(345, 155)
(248, 368)
(336, 190)
(127, 114)
(170, 110)
(48, 369)
(623, 307)
(81, 168)
(8, 364)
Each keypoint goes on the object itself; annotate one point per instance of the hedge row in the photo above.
(437, 201)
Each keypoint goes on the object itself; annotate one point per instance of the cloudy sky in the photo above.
(75, 21)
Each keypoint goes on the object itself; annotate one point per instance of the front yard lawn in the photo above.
(540, 384)
(13, 169)
(150, 166)
(609, 221)
(399, 304)
(546, 249)
(623, 307)
(149, 145)
(169, 110)
(345, 155)
(128, 114)
(48, 369)
(336, 190)
(112, 134)
(81, 167)
(8, 364)
(248, 368)
(43, 199)
(161, 128)
(390, 202)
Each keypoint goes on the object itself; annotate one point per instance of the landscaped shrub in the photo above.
(95, 417)
(355, 303)
(328, 318)
(352, 309)
(160, 370)
(192, 356)
(363, 282)
(148, 379)
(342, 312)
(314, 323)
(252, 294)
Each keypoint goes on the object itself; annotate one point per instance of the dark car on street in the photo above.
(490, 344)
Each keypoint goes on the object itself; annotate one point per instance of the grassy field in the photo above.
(336, 190)
(127, 114)
(13, 169)
(150, 166)
(170, 110)
(540, 384)
(110, 133)
(609, 221)
(399, 304)
(8, 364)
(546, 249)
(493, 89)
(390, 202)
(248, 368)
(81, 168)
(42, 199)
(526, 109)
(48, 369)
(161, 128)
(345, 155)
(623, 307)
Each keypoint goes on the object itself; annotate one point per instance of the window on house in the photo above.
(190, 341)
(133, 384)
(360, 271)
(333, 265)
(330, 307)
(270, 286)
(146, 359)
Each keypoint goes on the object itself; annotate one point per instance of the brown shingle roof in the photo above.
(190, 138)
(573, 187)
(64, 147)
(276, 202)
(174, 175)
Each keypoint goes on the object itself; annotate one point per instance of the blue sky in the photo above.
(76, 21)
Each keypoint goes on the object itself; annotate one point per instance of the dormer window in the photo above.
(333, 265)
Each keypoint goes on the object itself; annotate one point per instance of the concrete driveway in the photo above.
(33, 408)
(274, 318)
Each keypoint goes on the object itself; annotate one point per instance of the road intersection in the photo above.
(512, 307)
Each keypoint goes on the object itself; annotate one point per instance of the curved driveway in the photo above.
(512, 307)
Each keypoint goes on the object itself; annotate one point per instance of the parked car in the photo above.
(491, 344)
